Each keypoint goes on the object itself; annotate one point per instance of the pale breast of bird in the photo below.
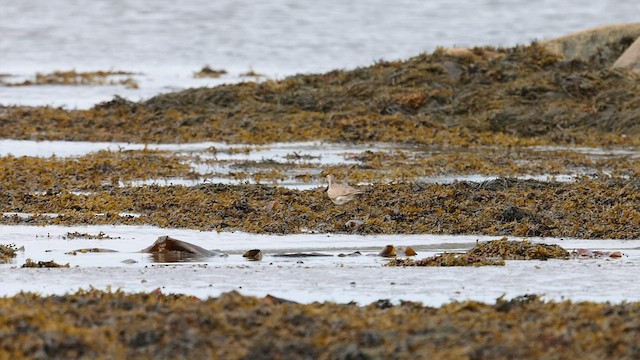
(340, 193)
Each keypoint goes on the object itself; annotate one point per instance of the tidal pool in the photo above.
(361, 279)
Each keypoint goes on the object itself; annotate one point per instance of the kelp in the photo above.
(500, 96)
(490, 253)
(587, 208)
(91, 324)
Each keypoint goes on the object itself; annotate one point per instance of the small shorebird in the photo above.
(341, 194)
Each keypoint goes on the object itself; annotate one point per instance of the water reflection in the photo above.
(176, 256)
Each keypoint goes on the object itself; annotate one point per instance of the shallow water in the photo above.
(217, 160)
(362, 279)
(171, 40)
(167, 43)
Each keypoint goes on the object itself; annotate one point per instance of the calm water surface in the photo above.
(167, 40)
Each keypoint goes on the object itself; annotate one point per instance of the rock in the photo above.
(408, 251)
(129, 261)
(630, 59)
(616, 254)
(253, 255)
(582, 45)
(388, 251)
(167, 249)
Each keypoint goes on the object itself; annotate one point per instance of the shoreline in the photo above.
(498, 105)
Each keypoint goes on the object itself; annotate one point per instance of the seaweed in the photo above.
(490, 253)
(519, 95)
(7, 252)
(72, 77)
(208, 72)
(94, 324)
(588, 208)
(43, 264)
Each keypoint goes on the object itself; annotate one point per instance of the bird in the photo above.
(341, 194)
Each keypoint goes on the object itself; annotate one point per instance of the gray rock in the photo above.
(584, 44)
(630, 59)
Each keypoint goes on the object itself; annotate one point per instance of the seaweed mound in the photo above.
(493, 252)
(7, 252)
(448, 259)
(518, 250)
(523, 92)
(96, 324)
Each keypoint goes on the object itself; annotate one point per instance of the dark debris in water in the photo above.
(90, 250)
(78, 235)
(209, 72)
(43, 264)
(74, 78)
